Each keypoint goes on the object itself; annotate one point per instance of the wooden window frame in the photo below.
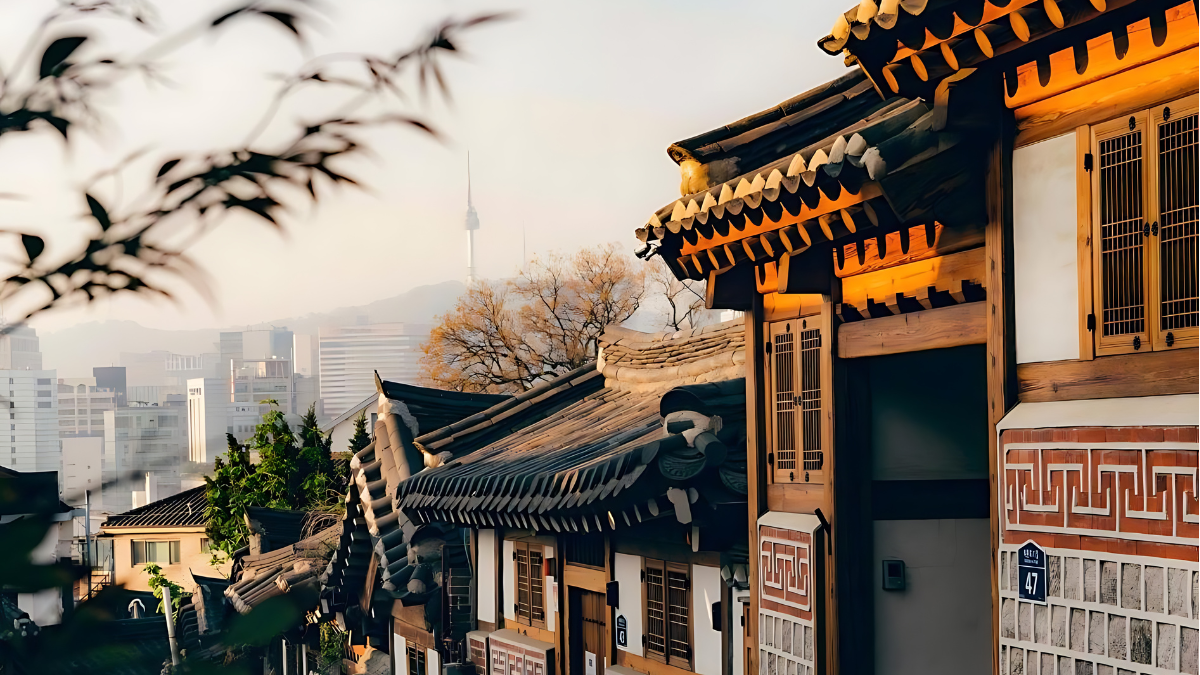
(1153, 337)
(808, 426)
(536, 583)
(415, 660)
(665, 657)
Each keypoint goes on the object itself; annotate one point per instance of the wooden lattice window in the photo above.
(416, 660)
(667, 587)
(530, 605)
(1144, 212)
(796, 368)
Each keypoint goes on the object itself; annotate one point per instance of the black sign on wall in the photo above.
(622, 632)
(1031, 573)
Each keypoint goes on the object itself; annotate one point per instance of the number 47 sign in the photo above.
(1031, 573)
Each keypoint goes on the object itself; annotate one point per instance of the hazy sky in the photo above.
(566, 110)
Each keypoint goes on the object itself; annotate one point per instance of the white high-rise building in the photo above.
(211, 415)
(32, 434)
(81, 406)
(350, 356)
(20, 349)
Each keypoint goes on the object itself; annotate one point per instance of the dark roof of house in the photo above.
(284, 570)
(435, 408)
(282, 526)
(763, 174)
(185, 509)
(605, 457)
(29, 492)
(514, 412)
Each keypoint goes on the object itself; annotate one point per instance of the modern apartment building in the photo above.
(112, 377)
(211, 414)
(256, 381)
(32, 434)
(144, 439)
(350, 356)
(81, 406)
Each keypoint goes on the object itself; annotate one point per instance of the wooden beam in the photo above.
(917, 331)
(1101, 60)
(1083, 240)
(1173, 371)
(946, 273)
(808, 272)
(795, 497)
(1163, 80)
(756, 449)
(1001, 349)
(945, 241)
(730, 288)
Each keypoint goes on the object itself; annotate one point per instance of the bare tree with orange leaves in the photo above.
(506, 337)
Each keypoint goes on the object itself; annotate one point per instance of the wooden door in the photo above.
(593, 612)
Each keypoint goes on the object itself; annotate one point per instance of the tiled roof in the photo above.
(603, 459)
(436, 408)
(284, 570)
(280, 527)
(185, 509)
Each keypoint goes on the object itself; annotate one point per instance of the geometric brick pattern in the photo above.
(1116, 510)
(786, 597)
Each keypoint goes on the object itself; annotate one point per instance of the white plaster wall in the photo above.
(1045, 268)
(399, 655)
(433, 662)
(627, 572)
(940, 624)
(485, 590)
(508, 577)
(706, 589)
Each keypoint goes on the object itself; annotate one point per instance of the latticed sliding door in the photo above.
(795, 367)
(530, 605)
(1174, 138)
(1121, 216)
(668, 609)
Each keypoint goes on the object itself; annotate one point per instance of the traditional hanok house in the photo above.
(606, 511)
(386, 581)
(971, 388)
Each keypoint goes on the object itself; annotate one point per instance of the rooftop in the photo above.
(185, 509)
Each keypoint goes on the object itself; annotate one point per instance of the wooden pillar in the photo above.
(756, 472)
(1001, 346)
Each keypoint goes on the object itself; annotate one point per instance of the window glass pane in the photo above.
(174, 552)
(1177, 207)
(137, 552)
(1123, 310)
(158, 552)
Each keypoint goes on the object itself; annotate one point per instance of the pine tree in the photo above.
(361, 438)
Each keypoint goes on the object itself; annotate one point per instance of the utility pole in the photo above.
(168, 611)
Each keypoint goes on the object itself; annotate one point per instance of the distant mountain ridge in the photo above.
(76, 350)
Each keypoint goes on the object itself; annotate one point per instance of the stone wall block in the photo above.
(1078, 630)
(1089, 580)
(1008, 618)
(1117, 646)
(1054, 570)
(1104, 669)
(1131, 586)
(1096, 632)
(1065, 666)
(1177, 591)
(1189, 646)
(1058, 626)
(1072, 577)
(1195, 594)
(1108, 582)
(1012, 569)
(1165, 658)
(1016, 661)
(808, 642)
(1003, 578)
(1083, 668)
(1041, 624)
(1154, 589)
(1141, 640)
(1047, 663)
(1025, 622)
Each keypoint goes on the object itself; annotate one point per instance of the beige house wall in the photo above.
(191, 558)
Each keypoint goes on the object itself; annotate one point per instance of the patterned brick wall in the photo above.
(786, 594)
(1116, 510)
